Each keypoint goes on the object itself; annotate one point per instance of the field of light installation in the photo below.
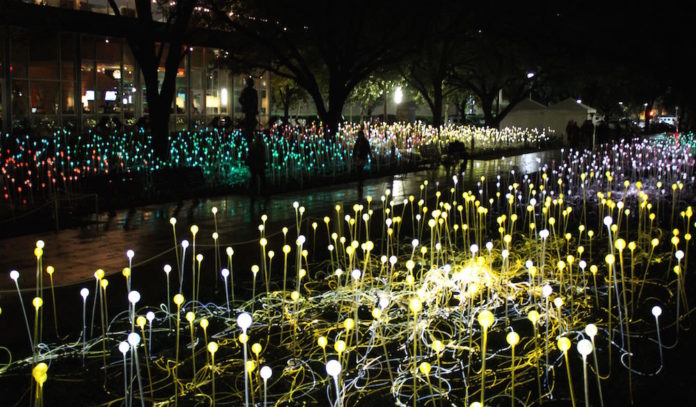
(527, 290)
(35, 169)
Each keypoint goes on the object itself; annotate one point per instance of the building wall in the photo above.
(50, 80)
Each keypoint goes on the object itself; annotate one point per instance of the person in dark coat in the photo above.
(361, 153)
(256, 161)
(249, 101)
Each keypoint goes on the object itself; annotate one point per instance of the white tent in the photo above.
(559, 114)
(526, 114)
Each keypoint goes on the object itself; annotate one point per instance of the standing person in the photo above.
(256, 160)
(361, 152)
(249, 100)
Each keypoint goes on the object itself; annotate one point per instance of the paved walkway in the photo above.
(77, 253)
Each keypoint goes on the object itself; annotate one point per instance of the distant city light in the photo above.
(398, 95)
(223, 96)
(530, 75)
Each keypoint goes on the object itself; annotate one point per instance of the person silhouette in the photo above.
(256, 161)
(249, 100)
(361, 152)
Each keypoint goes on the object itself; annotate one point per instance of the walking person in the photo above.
(361, 153)
(256, 161)
(249, 100)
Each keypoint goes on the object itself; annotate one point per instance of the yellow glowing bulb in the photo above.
(50, 270)
(322, 341)
(39, 373)
(140, 321)
(194, 230)
(376, 313)
(37, 302)
(243, 338)
(533, 316)
(349, 324)
(99, 274)
(415, 305)
(126, 272)
(204, 323)
(178, 299)
(104, 283)
(190, 316)
(438, 346)
(295, 296)
(485, 319)
(563, 344)
(250, 366)
(212, 347)
(340, 346)
(609, 259)
(512, 338)
(256, 348)
(620, 244)
(424, 368)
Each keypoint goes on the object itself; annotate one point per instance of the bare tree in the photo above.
(150, 43)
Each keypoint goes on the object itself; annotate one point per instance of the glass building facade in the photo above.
(53, 79)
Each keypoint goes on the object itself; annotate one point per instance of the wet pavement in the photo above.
(77, 253)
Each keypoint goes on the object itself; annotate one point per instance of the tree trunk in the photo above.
(286, 112)
(159, 125)
(436, 108)
(487, 107)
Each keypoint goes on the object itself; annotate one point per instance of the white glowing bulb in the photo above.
(134, 339)
(591, 330)
(414, 243)
(184, 244)
(84, 293)
(546, 290)
(584, 347)
(300, 240)
(265, 373)
(355, 274)
(656, 311)
(544, 234)
(529, 264)
(123, 347)
(130, 254)
(244, 321)
(133, 297)
(14, 274)
(679, 255)
(607, 221)
(150, 316)
(383, 302)
(225, 273)
(167, 268)
(474, 248)
(333, 368)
